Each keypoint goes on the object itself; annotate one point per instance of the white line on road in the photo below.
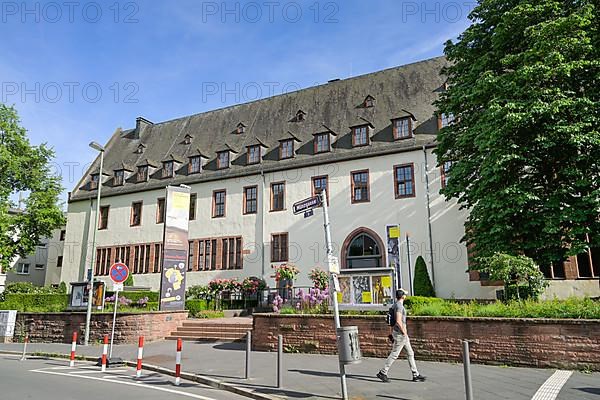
(96, 372)
(141, 385)
(550, 389)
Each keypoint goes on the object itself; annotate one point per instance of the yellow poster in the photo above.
(386, 281)
(340, 296)
(366, 297)
(181, 200)
(394, 232)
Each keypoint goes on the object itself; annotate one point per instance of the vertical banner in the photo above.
(393, 250)
(175, 249)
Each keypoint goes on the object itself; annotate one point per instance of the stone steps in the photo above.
(226, 330)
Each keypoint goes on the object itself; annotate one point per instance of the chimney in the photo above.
(140, 123)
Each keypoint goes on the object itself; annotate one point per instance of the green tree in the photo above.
(521, 276)
(25, 168)
(523, 88)
(421, 281)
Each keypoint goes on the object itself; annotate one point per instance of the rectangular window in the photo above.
(195, 165)
(94, 181)
(190, 266)
(318, 184)
(157, 257)
(402, 128)
(279, 247)
(63, 233)
(59, 261)
(231, 253)
(103, 222)
(322, 143)
(201, 255)
(218, 203)
(277, 196)
(207, 256)
(146, 259)
(22, 269)
(250, 199)
(360, 186)
(224, 253)
(39, 266)
(192, 214)
(223, 159)
(404, 181)
(238, 253)
(119, 177)
(213, 254)
(360, 136)
(168, 169)
(286, 149)
(142, 173)
(160, 210)
(446, 119)
(253, 155)
(136, 213)
(445, 169)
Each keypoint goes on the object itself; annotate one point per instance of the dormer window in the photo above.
(223, 159)
(94, 179)
(300, 116)
(142, 173)
(402, 128)
(369, 102)
(445, 120)
(187, 139)
(140, 148)
(321, 143)
(241, 128)
(360, 135)
(253, 155)
(195, 165)
(119, 177)
(168, 169)
(286, 149)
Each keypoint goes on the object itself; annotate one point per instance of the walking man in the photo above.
(400, 339)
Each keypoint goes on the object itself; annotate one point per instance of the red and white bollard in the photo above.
(104, 353)
(178, 363)
(138, 371)
(73, 347)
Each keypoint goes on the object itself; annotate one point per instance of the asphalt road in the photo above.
(48, 379)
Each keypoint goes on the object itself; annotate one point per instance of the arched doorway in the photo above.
(363, 249)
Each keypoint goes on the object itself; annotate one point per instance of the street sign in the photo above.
(308, 213)
(306, 204)
(118, 287)
(119, 272)
(334, 264)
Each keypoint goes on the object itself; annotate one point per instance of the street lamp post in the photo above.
(88, 318)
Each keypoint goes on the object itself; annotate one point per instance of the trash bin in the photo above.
(348, 345)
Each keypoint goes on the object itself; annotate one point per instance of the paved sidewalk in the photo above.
(309, 376)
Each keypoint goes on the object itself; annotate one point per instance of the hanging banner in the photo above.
(393, 250)
(175, 248)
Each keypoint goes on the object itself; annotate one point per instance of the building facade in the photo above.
(368, 140)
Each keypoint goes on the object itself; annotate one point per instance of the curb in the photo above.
(215, 383)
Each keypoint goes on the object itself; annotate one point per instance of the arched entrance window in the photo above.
(363, 249)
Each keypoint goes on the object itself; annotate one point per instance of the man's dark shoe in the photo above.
(419, 378)
(383, 377)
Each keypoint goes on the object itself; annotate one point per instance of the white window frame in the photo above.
(20, 269)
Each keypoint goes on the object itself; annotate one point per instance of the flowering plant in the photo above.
(253, 284)
(124, 301)
(315, 301)
(286, 271)
(220, 285)
(319, 277)
(277, 303)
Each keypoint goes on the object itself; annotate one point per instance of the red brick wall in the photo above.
(519, 342)
(59, 327)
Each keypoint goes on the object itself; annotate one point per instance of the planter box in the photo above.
(555, 343)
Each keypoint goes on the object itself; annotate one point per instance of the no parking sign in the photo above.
(118, 274)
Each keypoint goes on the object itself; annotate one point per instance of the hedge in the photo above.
(135, 296)
(195, 307)
(26, 302)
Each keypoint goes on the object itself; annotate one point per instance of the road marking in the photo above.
(550, 389)
(96, 372)
(141, 385)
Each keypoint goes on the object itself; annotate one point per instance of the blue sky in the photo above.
(77, 71)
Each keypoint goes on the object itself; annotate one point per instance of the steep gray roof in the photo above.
(403, 91)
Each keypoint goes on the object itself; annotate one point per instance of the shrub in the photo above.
(196, 306)
(210, 314)
(34, 302)
(253, 285)
(521, 276)
(129, 280)
(198, 292)
(62, 288)
(135, 296)
(320, 278)
(421, 281)
(419, 301)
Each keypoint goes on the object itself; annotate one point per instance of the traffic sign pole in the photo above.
(333, 286)
(118, 274)
(112, 333)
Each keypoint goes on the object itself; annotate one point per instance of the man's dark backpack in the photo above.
(390, 317)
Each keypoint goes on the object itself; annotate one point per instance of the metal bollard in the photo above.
(279, 361)
(467, 369)
(248, 350)
(178, 363)
(25, 347)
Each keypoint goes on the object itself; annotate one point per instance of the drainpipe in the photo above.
(262, 222)
(429, 219)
